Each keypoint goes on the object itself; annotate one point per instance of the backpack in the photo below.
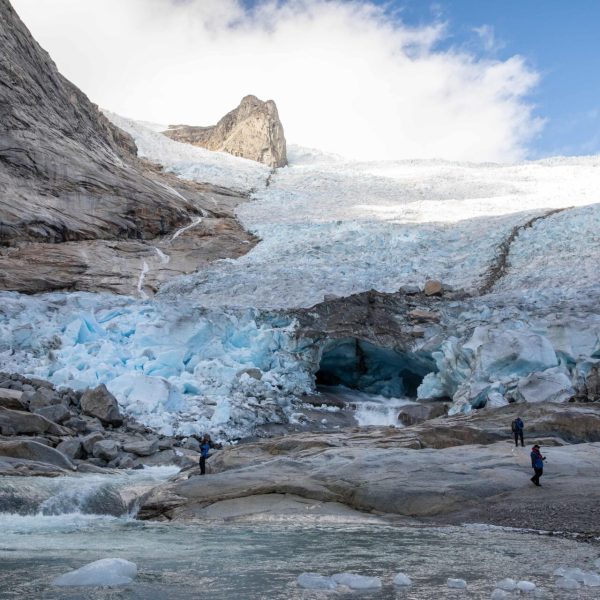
(513, 426)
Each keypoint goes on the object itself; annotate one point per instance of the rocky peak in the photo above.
(252, 130)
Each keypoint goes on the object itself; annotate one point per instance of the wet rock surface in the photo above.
(451, 469)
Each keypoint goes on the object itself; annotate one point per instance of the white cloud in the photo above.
(346, 77)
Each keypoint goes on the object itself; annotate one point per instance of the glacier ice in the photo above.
(107, 572)
(566, 583)
(508, 585)
(526, 586)
(174, 367)
(459, 584)
(402, 579)
(316, 581)
(332, 226)
(356, 582)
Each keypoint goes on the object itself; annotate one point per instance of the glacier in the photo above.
(219, 350)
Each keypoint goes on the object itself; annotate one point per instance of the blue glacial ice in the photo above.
(172, 366)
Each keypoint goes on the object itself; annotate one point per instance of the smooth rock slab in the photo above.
(357, 582)
(458, 584)
(316, 581)
(107, 572)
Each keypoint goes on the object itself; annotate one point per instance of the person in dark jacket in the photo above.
(206, 445)
(517, 429)
(537, 463)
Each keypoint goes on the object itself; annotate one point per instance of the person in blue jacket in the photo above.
(206, 445)
(537, 463)
(517, 429)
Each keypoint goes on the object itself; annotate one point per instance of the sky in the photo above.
(468, 80)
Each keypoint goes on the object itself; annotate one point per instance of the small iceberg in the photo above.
(565, 583)
(402, 580)
(357, 582)
(526, 586)
(508, 585)
(591, 579)
(500, 594)
(458, 584)
(315, 581)
(107, 572)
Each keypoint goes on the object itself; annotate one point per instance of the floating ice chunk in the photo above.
(107, 572)
(357, 582)
(459, 584)
(597, 563)
(526, 586)
(575, 573)
(566, 583)
(560, 572)
(401, 580)
(507, 584)
(316, 581)
(499, 594)
(591, 579)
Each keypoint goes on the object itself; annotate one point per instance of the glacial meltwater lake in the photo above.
(262, 559)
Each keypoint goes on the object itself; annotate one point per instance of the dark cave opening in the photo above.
(363, 366)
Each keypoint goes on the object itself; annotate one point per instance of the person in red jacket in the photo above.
(537, 463)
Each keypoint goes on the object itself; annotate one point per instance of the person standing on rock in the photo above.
(205, 447)
(537, 463)
(517, 429)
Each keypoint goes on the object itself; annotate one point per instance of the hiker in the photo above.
(205, 447)
(537, 463)
(517, 429)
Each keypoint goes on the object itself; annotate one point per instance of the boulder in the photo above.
(58, 413)
(76, 424)
(433, 287)
(411, 414)
(252, 130)
(71, 448)
(13, 422)
(34, 451)
(100, 403)
(43, 397)
(106, 450)
(141, 447)
(90, 440)
(11, 399)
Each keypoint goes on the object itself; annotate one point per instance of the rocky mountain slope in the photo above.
(77, 207)
(252, 130)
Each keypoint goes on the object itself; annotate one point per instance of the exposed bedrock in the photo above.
(252, 130)
(78, 209)
(444, 468)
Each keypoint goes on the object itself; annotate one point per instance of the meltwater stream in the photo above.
(259, 559)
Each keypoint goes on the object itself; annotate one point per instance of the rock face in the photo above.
(253, 130)
(78, 209)
(455, 469)
(65, 171)
(100, 403)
